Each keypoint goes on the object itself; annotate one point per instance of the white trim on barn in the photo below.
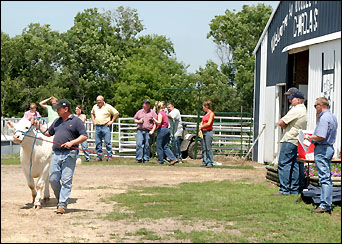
(263, 74)
(314, 41)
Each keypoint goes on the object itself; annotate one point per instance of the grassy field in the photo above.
(236, 212)
(225, 211)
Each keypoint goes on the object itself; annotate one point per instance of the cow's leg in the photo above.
(47, 183)
(42, 187)
(30, 183)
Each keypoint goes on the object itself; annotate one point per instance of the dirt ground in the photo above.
(83, 220)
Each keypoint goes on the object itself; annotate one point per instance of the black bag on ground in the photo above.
(313, 195)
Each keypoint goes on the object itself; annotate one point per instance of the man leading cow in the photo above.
(68, 131)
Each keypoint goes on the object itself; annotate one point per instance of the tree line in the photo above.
(104, 53)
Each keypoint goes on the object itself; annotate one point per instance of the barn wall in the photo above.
(256, 104)
(263, 100)
(315, 88)
(269, 118)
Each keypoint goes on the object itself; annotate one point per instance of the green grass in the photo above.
(257, 216)
(10, 161)
(14, 159)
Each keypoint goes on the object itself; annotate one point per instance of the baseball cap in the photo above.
(291, 91)
(63, 103)
(147, 101)
(297, 94)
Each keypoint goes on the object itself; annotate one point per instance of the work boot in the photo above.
(60, 210)
(321, 210)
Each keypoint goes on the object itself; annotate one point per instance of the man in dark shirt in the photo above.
(68, 131)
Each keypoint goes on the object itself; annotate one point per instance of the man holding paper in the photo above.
(324, 137)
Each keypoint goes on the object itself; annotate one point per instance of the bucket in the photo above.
(305, 148)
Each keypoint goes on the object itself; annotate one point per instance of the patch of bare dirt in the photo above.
(83, 221)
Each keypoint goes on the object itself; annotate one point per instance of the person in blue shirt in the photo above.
(324, 137)
(68, 131)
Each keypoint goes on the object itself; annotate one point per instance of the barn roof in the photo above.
(266, 27)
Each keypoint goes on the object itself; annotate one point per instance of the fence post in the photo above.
(241, 132)
(198, 119)
(119, 127)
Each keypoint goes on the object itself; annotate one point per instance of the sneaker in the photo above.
(98, 159)
(203, 165)
(210, 166)
(321, 210)
(138, 161)
(146, 162)
(173, 162)
(60, 210)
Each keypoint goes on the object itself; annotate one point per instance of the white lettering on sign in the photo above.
(305, 23)
(305, 20)
(302, 5)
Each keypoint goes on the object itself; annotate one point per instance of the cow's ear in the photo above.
(10, 125)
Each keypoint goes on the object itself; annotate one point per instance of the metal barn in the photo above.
(299, 47)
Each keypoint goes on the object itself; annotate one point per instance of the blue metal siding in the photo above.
(318, 18)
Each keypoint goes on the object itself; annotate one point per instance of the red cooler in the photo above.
(301, 151)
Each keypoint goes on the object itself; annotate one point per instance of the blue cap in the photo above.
(297, 94)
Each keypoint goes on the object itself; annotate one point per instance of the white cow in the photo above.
(41, 157)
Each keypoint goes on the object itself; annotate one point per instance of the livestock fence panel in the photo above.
(232, 134)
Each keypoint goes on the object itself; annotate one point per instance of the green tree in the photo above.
(149, 68)
(236, 34)
(126, 21)
(28, 65)
(215, 86)
(90, 62)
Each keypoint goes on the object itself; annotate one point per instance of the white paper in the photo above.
(301, 140)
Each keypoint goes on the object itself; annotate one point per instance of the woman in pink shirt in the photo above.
(32, 113)
(206, 129)
(164, 133)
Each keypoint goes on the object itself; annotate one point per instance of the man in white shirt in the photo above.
(176, 128)
(289, 170)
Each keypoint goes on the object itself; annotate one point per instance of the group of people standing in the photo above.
(290, 171)
(69, 131)
(149, 120)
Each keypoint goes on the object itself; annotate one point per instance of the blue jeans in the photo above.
(84, 146)
(323, 156)
(163, 139)
(103, 131)
(176, 141)
(288, 169)
(207, 152)
(143, 145)
(61, 171)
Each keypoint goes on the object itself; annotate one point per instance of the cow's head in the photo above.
(19, 128)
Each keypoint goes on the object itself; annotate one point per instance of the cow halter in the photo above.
(32, 128)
